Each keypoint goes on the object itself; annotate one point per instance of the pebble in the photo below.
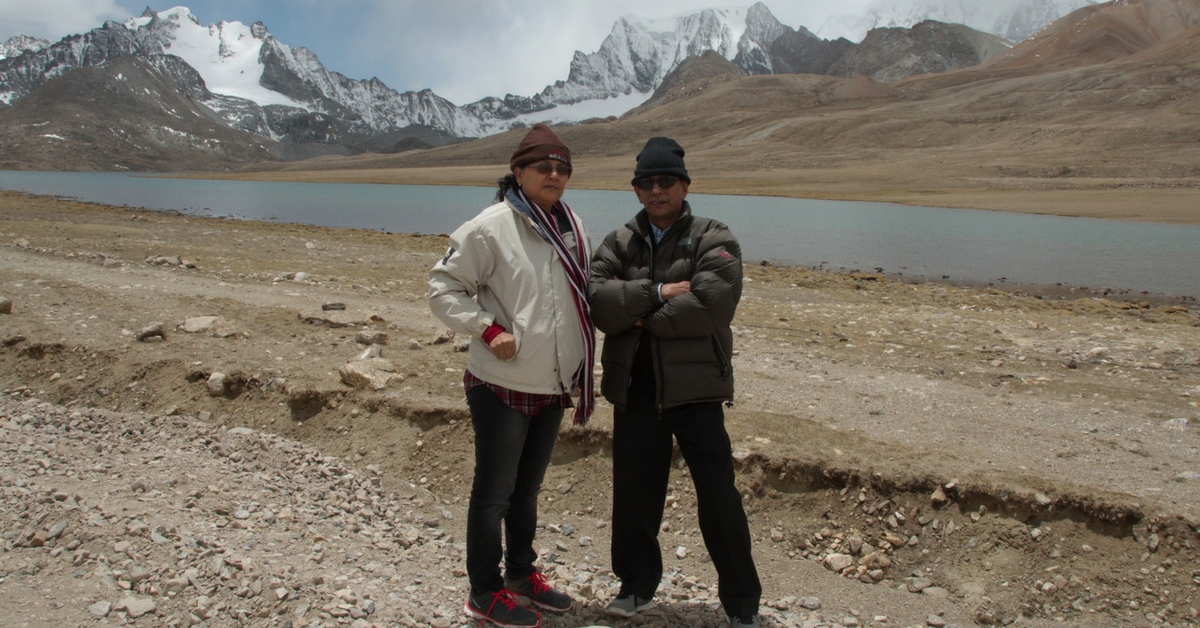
(100, 609)
(152, 333)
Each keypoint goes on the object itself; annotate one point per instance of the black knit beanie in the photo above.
(661, 155)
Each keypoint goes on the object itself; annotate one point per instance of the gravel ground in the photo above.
(909, 454)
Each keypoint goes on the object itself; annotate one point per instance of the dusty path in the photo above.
(1062, 434)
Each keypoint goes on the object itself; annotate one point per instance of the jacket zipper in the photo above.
(655, 354)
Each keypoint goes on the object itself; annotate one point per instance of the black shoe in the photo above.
(627, 605)
(747, 621)
(501, 609)
(539, 592)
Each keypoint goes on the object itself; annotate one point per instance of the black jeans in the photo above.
(512, 451)
(641, 470)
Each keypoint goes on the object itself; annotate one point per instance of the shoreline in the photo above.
(1148, 200)
(1057, 292)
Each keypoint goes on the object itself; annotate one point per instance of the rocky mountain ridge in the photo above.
(18, 44)
(285, 94)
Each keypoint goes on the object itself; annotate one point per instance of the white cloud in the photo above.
(55, 19)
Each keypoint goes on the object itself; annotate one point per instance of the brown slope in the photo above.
(1119, 139)
(694, 75)
(120, 116)
(1103, 33)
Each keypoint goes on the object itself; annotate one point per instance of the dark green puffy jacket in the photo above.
(692, 344)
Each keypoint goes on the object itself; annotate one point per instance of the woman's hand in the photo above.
(503, 346)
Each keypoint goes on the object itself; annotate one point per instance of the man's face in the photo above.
(663, 200)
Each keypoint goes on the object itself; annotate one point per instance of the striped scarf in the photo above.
(577, 267)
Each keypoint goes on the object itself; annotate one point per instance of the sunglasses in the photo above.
(545, 169)
(664, 182)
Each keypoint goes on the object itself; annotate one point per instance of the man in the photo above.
(663, 290)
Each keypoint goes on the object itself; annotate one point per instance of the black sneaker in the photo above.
(501, 609)
(539, 592)
(746, 621)
(627, 605)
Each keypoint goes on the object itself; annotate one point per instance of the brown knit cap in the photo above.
(540, 143)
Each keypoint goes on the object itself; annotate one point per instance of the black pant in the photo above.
(641, 470)
(512, 451)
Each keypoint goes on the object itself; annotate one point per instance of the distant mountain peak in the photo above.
(18, 44)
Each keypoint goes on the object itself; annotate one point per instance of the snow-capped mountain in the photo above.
(250, 79)
(255, 83)
(1013, 20)
(18, 44)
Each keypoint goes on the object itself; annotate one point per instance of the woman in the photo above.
(515, 279)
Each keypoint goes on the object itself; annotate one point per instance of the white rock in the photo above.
(216, 384)
(838, 562)
(197, 324)
(370, 374)
(136, 607)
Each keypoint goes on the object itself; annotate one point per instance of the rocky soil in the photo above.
(179, 444)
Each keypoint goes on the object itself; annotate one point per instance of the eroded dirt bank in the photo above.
(1013, 460)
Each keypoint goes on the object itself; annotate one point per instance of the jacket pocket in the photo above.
(723, 359)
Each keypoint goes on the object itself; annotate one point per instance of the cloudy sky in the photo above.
(462, 49)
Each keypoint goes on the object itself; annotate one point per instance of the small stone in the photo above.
(328, 307)
(137, 573)
(938, 498)
(197, 324)
(1179, 425)
(136, 607)
(812, 603)
(917, 585)
(935, 621)
(216, 384)
(5, 305)
(369, 374)
(838, 562)
(371, 337)
(100, 609)
(152, 333)
(415, 344)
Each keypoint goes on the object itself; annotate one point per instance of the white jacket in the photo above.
(499, 269)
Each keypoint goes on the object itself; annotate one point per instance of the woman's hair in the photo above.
(506, 183)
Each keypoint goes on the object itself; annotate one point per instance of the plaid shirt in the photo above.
(528, 404)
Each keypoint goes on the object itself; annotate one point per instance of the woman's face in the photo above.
(543, 182)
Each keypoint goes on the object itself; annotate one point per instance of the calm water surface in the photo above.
(921, 242)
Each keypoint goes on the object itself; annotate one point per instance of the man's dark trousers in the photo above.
(642, 451)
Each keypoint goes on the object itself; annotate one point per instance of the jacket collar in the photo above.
(640, 223)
